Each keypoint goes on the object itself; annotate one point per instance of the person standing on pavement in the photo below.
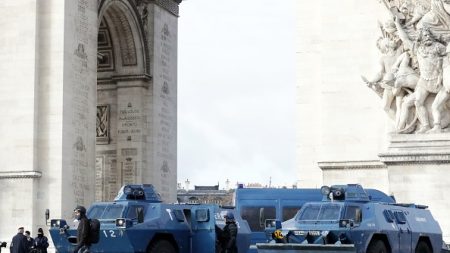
(29, 241)
(229, 234)
(18, 244)
(82, 230)
(41, 241)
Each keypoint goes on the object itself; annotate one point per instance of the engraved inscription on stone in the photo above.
(99, 169)
(166, 116)
(80, 92)
(129, 171)
(106, 183)
(129, 122)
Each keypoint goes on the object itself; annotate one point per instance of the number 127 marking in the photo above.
(110, 233)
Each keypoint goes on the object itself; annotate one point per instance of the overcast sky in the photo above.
(236, 92)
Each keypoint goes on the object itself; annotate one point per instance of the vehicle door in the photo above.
(256, 212)
(353, 213)
(203, 234)
(404, 232)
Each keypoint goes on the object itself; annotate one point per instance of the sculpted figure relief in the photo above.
(415, 69)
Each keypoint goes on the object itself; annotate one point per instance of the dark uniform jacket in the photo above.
(18, 244)
(41, 243)
(229, 235)
(82, 233)
(29, 244)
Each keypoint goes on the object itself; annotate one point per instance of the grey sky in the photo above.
(236, 92)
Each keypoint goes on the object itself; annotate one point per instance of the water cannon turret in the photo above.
(143, 192)
(349, 192)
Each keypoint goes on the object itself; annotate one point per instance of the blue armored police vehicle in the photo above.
(348, 220)
(137, 221)
(256, 205)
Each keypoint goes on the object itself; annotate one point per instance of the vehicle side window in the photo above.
(134, 212)
(400, 217)
(388, 215)
(353, 213)
(289, 212)
(255, 214)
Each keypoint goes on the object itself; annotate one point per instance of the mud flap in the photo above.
(304, 248)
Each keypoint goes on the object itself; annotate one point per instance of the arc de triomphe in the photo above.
(89, 102)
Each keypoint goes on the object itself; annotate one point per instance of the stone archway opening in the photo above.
(122, 89)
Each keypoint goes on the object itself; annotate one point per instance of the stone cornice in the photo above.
(415, 157)
(171, 6)
(20, 174)
(349, 165)
(111, 83)
(417, 148)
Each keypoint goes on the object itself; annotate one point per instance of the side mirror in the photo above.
(140, 215)
(261, 217)
(47, 216)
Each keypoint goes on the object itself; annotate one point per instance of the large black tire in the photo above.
(377, 246)
(422, 247)
(162, 246)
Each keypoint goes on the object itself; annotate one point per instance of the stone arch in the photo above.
(120, 24)
(123, 92)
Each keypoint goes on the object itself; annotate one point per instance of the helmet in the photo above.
(229, 216)
(80, 209)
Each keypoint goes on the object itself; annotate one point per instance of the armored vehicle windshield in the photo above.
(320, 212)
(106, 212)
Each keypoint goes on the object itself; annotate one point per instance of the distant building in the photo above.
(206, 195)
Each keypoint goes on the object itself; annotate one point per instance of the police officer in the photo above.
(229, 234)
(29, 241)
(41, 241)
(18, 242)
(82, 230)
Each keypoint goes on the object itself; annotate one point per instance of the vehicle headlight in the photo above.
(58, 223)
(123, 223)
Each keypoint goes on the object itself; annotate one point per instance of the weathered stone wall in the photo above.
(164, 109)
(18, 87)
(338, 118)
(369, 174)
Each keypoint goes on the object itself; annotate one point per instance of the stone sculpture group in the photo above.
(414, 75)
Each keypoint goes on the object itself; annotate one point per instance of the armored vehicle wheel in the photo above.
(377, 246)
(161, 246)
(422, 247)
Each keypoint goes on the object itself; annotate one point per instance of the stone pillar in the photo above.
(418, 167)
(164, 124)
(18, 99)
(338, 118)
(49, 80)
